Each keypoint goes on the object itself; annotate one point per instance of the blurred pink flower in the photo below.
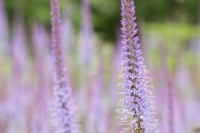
(86, 37)
(66, 121)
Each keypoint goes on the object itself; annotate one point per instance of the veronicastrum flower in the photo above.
(137, 105)
(64, 108)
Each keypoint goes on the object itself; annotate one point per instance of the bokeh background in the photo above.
(170, 35)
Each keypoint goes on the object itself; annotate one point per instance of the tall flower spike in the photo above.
(86, 39)
(65, 118)
(137, 111)
(3, 30)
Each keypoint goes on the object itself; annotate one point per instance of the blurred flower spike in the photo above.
(66, 121)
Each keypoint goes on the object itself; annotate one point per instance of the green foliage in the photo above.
(32, 10)
(172, 63)
(173, 32)
(154, 57)
(106, 17)
(106, 13)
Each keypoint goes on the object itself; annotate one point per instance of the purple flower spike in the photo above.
(3, 21)
(137, 111)
(65, 118)
(86, 38)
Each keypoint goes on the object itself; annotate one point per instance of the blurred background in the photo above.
(170, 35)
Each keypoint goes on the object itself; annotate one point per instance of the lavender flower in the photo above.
(66, 121)
(96, 118)
(41, 53)
(68, 32)
(170, 95)
(3, 30)
(19, 52)
(137, 105)
(19, 70)
(86, 40)
(3, 22)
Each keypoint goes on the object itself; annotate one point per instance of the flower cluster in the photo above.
(137, 110)
(66, 119)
